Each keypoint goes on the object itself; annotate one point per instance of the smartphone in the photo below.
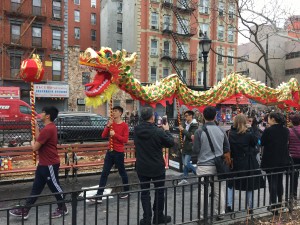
(264, 124)
(164, 120)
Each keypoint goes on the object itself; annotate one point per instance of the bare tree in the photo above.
(252, 18)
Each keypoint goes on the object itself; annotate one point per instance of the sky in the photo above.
(291, 6)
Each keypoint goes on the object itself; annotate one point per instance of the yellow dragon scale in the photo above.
(117, 65)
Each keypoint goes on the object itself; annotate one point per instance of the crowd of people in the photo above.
(241, 147)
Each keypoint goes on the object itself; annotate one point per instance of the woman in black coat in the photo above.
(243, 153)
(275, 154)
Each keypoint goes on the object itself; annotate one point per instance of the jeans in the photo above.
(113, 158)
(249, 195)
(159, 199)
(275, 187)
(211, 170)
(186, 160)
(294, 182)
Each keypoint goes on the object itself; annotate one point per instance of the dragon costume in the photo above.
(113, 72)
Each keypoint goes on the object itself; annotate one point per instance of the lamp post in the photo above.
(204, 45)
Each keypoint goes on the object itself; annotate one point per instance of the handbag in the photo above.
(221, 165)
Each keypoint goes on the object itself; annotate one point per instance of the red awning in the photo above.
(232, 101)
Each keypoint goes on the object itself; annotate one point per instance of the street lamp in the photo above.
(204, 45)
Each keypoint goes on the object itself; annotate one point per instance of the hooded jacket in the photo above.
(149, 141)
(187, 135)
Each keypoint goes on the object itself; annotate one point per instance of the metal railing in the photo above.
(193, 202)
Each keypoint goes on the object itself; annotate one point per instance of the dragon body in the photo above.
(113, 72)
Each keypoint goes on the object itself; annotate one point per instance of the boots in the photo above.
(161, 219)
(145, 221)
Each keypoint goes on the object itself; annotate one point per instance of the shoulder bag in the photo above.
(221, 166)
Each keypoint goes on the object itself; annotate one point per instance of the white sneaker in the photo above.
(183, 182)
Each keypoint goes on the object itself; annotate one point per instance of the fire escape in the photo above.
(25, 17)
(183, 7)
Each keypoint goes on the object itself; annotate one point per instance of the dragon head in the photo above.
(110, 68)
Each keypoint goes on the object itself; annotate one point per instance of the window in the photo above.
(182, 55)
(204, 6)
(93, 18)
(24, 109)
(200, 78)
(220, 33)
(166, 48)
(36, 7)
(220, 57)
(56, 9)
(221, 8)
(56, 70)
(15, 33)
(204, 28)
(77, 32)
(153, 48)
(231, 9)
(219, 76)
(119, 45)
(230, 34)
(167, 23)
(165, 72)
(93, 35)
(119, 27)
(292, 71)
(153, 74)
(15, 62)
(292, 55)
(93, 3)
(120, 7)
(154, 20)
(77, 16)
(230, 57)
(37, 36)
(180, 29)
(85, 77)
(183, 74)
(77, 2)
(56, 39)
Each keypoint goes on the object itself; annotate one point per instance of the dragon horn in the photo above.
(131, 60)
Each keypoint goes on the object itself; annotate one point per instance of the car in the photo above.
(80, 126)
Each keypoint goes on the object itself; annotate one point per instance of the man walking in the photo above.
(206, 164)
(48, 166)
(119, 132)
(188, 129)
(149, 141)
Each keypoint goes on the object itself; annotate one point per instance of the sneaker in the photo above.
(162, 219)
(183, 182)
(95, 199)
(59, 212)
(20, 212)
(123, 196)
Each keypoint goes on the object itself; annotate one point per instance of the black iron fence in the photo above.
(14, 133)
(195, 202)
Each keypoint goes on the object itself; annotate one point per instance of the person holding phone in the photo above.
(188, 129)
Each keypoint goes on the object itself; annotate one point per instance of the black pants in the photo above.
(294, 182)
(159, 199)
(46, 175)
(275, 187)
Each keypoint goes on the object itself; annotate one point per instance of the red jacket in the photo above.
(294, 142)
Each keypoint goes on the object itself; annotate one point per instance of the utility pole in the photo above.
(267, 56)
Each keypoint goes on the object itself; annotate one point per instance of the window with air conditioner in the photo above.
(153, 74)
(154, 20)
(154, 46)
(56, 70)
(56, 39)
(93, 3)
(200, 78)
(119, 27)
(56, 9)
(77, 33)
(204, 28)
(220, 33)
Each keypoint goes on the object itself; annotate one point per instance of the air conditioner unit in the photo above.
(93, 6)
(153, 52)
(56, 15)
(154, 27)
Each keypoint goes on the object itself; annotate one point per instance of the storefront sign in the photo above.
(51, 91)
(10, 92)
(80, 101)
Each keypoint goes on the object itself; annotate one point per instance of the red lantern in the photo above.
(32, 69)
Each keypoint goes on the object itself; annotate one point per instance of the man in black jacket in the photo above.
(150, 165)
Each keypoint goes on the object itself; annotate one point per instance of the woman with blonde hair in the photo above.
(243, 152)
